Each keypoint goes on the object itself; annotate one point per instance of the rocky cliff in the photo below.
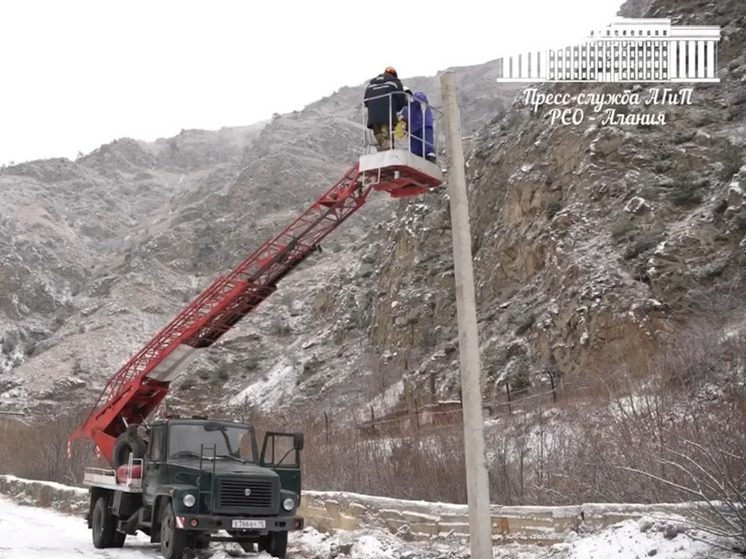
(595, 245)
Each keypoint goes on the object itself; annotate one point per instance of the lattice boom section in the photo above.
(137, 388)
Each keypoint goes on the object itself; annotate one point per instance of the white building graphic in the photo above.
(628, 50)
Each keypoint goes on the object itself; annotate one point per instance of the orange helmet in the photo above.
(391, 70)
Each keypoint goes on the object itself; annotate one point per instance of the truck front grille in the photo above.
(262, 498)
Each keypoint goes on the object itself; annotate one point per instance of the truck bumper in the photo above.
(211, 523)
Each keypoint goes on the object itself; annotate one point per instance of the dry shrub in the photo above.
(616, 442)
(39, 450)
(677, 433)
(422, 464)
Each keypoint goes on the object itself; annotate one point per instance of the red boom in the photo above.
(140, 385)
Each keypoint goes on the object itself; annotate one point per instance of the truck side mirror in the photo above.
(298, 441)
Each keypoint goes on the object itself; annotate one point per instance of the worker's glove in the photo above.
(400, 130)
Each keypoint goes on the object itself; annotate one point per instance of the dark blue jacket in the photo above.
(419, 119)
(384, 100)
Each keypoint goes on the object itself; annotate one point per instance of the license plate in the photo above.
(249, 524)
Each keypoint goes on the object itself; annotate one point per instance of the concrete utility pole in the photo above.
(477, 484)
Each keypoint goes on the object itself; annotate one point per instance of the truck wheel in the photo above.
(104, 526)
(173, 539)
(275, 543)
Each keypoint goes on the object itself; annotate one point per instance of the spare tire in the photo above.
(128, 443)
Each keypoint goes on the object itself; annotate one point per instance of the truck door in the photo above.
(281, 452)
(154, 463)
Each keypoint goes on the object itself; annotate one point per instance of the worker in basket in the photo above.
(417, 116)
(384, 98)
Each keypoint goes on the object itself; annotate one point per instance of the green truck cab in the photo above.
(197, 481)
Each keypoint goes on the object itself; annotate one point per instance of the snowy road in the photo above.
(29, 532)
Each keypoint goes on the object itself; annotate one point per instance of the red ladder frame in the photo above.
(131, 395)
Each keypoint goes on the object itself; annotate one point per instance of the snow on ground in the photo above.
(366, 544)
(633, 540)
(27, 532)
(34, 532)
(627, 540)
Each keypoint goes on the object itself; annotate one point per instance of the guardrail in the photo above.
(421, 520)
(46, 494)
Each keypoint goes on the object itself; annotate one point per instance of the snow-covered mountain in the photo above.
(594, 247)
(96, 254)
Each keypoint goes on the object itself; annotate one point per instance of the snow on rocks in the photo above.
(637, 205)
(266, 392)
(644, 538)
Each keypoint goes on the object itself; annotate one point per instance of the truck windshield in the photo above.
(230, 441)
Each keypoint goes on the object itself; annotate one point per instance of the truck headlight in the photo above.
(189, 500)
(288, 504)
